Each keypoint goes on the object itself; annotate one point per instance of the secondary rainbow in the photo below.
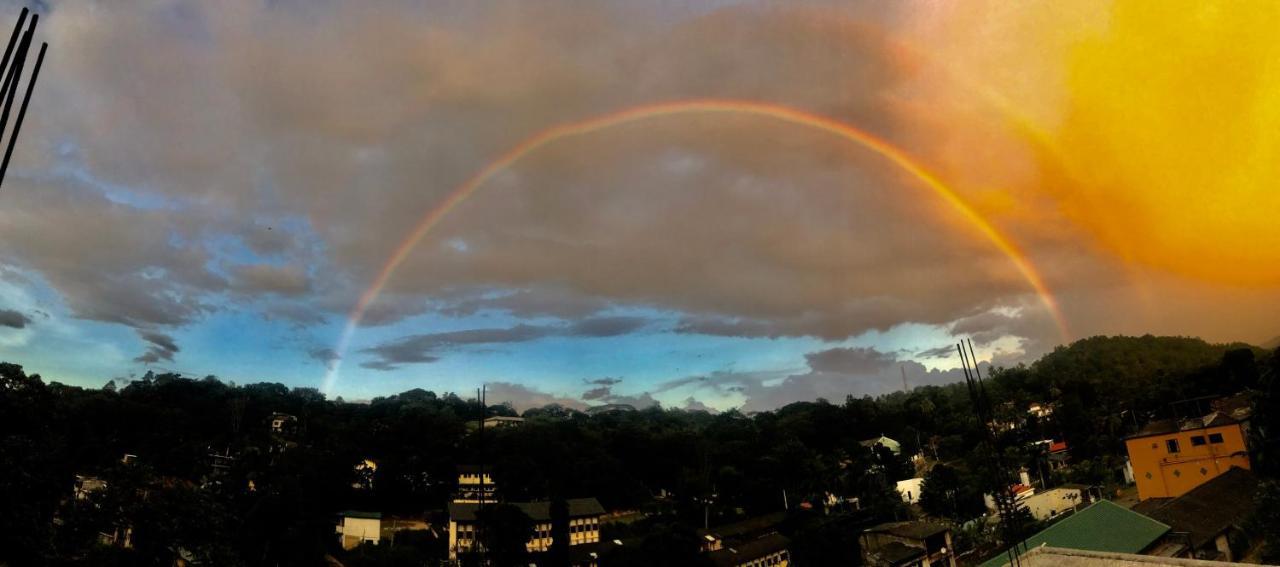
(774, 111)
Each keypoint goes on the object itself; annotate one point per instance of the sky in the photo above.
(707, 205)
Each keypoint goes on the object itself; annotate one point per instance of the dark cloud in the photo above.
(596, 393)
(162, 347)
(606, 326)
(429, 347)
(944, 351)
(13, 319)
(606, 381)
(326, 355)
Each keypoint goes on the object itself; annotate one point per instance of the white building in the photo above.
(503, 421)
(359, 527)
(910, 489)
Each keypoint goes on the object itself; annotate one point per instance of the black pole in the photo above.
(11, 79)
(13, 38)
(22, 112)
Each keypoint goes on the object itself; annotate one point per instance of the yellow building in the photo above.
(584, 524)
(1172, 456)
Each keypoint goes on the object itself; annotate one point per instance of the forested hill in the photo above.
(1102, 388)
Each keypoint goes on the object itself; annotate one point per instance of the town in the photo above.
(695, 283)
(1176, 460)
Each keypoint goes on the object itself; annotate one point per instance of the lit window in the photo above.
(1215, 438)
(1171, 445)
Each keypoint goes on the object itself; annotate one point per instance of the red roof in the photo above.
(1058, 447)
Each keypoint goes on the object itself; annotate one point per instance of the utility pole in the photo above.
(11, 69)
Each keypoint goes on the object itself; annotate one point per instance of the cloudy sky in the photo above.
(211, 187)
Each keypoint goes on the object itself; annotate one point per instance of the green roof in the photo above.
(1103, 526)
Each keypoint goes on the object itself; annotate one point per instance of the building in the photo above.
(584, 524)
(358, 527)
(1172, 456)
(501, 421)
(910, 489)
(475, 482)
(908, 544)
(283, 423)
(1058, 557)
(753, 542)
(765, 551)
(1059, 455)
(1103, 526)
(1206, 520)
(885, 442)
(1039, 410)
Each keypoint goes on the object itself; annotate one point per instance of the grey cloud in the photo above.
(162, 347)
(523, 397)
(692, 404)
(833, 374)
(944, 351)
(596, 393)
(13, 319)
(606, 326)
(606, 381)
(427, 347)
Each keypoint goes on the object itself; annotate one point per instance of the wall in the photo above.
(1053, 502)
(1159, 473)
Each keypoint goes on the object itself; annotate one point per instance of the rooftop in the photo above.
(537, 511)
(748, 526)
(1210, 508)
(1059, 557)
(919, 530)
(1103, 526)
(1226, 411)
(364, 515)
(753, 549)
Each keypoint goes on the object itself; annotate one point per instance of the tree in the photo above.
(505, 532)
(948, 494)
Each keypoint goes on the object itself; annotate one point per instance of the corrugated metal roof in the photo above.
(1103, 526)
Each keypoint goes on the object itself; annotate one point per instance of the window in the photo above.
(1171, 445)
(1197, 440)
(1215, 438)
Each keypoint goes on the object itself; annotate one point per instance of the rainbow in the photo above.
(774, 111)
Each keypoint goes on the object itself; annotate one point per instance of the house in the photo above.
(86, 485)
(1039, 410)
(475, 484)
(1059, 455)
(908, 544)
(1172, 456)
(1020, 492)
(1103, 526)
(358, 527)
(1209, 518)
(910, 489)
(282, 423)
(584, 524)
(883, 441)
(501, 421)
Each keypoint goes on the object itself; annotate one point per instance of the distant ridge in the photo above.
(1272, 344)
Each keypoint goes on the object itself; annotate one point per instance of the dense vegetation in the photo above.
(277, 501)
